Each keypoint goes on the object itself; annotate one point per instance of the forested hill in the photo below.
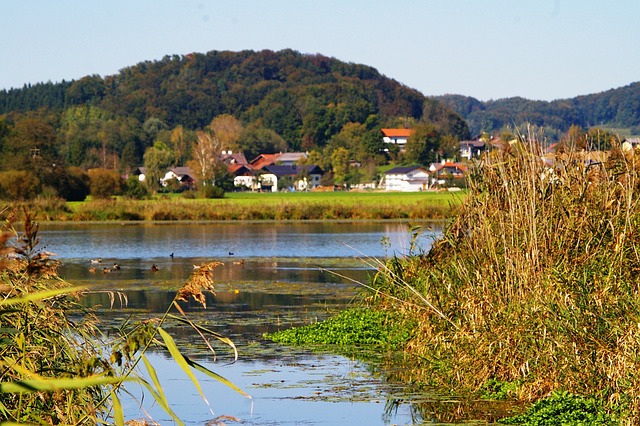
(305, 99)
(615, 108)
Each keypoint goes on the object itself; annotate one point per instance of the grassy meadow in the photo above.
(245, 206)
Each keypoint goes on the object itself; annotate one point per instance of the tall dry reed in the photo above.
(535, 281)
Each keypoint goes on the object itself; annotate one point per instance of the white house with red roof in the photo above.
(396, 136)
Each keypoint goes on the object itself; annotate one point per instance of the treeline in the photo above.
(275, 102)
(616, 108)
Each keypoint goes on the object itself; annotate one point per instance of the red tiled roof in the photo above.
(263, 160)
(397, 133)
(451, 165)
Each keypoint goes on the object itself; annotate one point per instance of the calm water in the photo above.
(274, 276)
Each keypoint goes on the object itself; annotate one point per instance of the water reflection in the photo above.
(218, 240)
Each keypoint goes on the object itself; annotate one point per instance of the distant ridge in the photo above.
(615, 108)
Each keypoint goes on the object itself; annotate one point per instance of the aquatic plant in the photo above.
(351, 327)
(534, 282)
(563, 408)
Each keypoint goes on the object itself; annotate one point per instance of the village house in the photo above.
(243, 177)
(263, 160)
(472, 148)
(397, 137)
(447, 168)
(184, 175)
(302, 178)
(407, 179)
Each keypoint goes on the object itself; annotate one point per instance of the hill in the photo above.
(615, 108)
(305, 99)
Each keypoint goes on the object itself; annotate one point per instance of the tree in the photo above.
(228, 130)
(104, 183)
(340, 165)
(18, 185)
(423, 146)
(207, 165)
(256, 140)
(157, 159)
(179, 144)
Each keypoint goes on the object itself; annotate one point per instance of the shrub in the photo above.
(19, 185)
(104, 183)
(210, 191)
(135, 189)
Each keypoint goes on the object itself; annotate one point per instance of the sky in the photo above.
(487, 49)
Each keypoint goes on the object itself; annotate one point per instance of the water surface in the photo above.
(273, 276)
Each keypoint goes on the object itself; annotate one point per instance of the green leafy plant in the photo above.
(355, 326)
(563, 408)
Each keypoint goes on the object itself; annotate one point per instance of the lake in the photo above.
(274, 276)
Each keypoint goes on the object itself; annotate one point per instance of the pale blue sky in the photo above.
(488, 49)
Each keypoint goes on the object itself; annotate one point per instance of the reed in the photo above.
(257, 209)
(534, 282)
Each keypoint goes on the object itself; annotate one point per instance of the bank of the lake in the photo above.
(243, 206)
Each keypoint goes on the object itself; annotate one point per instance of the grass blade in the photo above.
(158, 393)
(44, 384)
(33, 297)
(182, 362)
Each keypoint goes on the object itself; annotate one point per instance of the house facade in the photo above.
(407, 179)
(472, 148)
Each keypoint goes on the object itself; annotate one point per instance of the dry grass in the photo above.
(535, 282)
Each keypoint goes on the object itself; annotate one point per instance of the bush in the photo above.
(135, 189)
(19, 185)
(210, 191)
(104, 183)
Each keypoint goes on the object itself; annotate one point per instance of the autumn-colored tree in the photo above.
(340, 165)
(228, 130)
(18, 185)
(207, 165)
(104, 183)
(179, 145)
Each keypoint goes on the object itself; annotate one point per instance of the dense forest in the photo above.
(254, 102)
(613, 109)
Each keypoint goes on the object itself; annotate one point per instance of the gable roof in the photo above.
(282, 170)
(404, 170)
(397, 133)
(239, 170)
(234, 158)
(291, 157)
(263, 160)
